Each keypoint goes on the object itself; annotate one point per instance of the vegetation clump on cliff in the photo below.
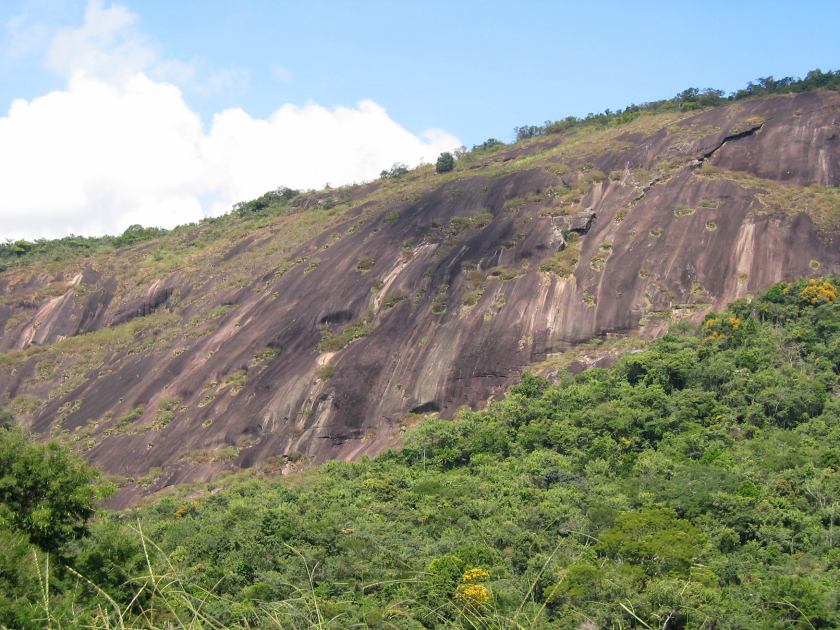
(693, 485)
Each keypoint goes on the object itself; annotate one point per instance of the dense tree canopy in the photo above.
(46, 492)
(692, 485)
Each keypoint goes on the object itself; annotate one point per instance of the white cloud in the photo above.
(281, 72)
(117, 147)
(226, 80)
(309, 146)
(22, 38)
(86, 159)
(108, 45)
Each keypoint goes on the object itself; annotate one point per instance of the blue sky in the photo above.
(454, 71)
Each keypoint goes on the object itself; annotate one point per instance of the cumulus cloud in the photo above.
(118, 146)
(108, 46)
(23, 38)
(309, 146)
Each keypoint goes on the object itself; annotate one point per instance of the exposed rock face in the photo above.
(693, 212)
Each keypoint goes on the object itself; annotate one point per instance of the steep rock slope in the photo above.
(172, 360)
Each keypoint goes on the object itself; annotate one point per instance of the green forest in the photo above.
(693, 485)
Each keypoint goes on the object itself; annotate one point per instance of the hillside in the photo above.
(692, 486)
(321, 331)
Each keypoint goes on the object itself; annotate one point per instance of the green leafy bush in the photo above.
(655, 540)
(471, 298)
(394, 298)
(360, 328)
(445, 162)
(512, 205)
(126, 418)
(325, 372)
(500, 273)
(395, 171)
(46, 492)
(365, 264)
(438, 306)
(491, 143)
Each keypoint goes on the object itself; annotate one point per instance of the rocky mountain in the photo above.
(324, 330)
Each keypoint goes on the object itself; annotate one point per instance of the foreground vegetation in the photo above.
(693, 485)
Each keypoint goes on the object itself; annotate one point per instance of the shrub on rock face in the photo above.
(326, 372)
(492, 143)
(445, 162)
(394, 298)
(365, 264)
(396, 170)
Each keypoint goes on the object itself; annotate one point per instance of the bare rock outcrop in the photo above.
(222, 362)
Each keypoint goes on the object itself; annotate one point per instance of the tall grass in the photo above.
(163, 597)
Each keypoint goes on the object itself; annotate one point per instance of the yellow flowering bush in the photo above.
(475, 576)
(471, 591)
(819, 293)
(718, 328)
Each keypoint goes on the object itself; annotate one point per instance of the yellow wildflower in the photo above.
(824, 292)
(472, 592)
(475, 576)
